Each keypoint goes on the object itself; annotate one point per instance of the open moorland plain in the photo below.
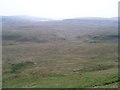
(70, 53)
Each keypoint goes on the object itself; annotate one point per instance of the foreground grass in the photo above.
(66, 64)
(79, 80)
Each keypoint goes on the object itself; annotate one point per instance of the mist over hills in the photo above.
(29, 21)
(23, 19)
(33, 18)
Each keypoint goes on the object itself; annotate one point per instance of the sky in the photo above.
(60, 9)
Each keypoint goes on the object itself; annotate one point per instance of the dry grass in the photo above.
(61, 56)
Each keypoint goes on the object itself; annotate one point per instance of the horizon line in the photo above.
(63, 18)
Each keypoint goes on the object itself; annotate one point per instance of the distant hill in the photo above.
(93, 21)
(11, 20)
(24, 28)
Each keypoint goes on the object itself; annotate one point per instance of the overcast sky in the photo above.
(59, 9)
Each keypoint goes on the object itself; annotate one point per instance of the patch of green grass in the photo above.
(16, 68)
(91, 68)
(88, 79)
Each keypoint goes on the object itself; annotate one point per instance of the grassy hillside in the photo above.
(60, 54)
